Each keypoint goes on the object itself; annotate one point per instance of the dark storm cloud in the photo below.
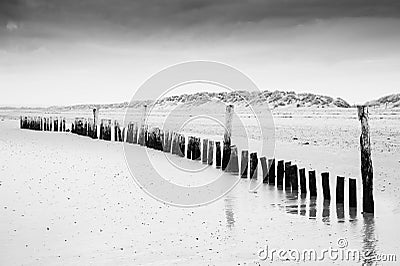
(161, 14)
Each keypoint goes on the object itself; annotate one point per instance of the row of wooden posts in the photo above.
(282, 174)
(43, 123)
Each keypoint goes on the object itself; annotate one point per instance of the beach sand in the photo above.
(70, 200)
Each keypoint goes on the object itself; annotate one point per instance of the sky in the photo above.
(97, 51)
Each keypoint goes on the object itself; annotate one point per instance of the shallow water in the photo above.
(70, 200)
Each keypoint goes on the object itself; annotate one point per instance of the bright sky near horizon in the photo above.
(88, 51)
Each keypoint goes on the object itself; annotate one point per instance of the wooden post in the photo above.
(287, 177)
(218, 154)
(366, 162)
(264, 167)
(95, 121)
(205, 146)
(339, 190)
(294, 178)
(271, 171)
(181, 146)
(189, 147)
(253, 165)
(210, 156)
(352, 193)
(312, 183)
(227, 136)
(244, 163)
(280, 169)
(196, 154)
(325, 186)
(233, 164)
(303, 186)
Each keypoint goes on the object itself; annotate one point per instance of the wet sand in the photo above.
(70, 200)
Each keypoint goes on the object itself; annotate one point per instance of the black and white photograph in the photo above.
(199, 132)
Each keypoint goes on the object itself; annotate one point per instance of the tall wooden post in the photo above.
(95, 122)
(366, 162)
(226, 153)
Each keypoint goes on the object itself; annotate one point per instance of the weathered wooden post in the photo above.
(95, 121)
(280, 172)
(294, 178)
(264, 168)
(189, 147)
(325, 186)
(253, 165)
(218, 154)
(233, 164)
(205, 146)
(181, 146)
(352, 193)
(366, 161)
(196, 155)
(303, 186)
(244, 164)
(210, 156)
(271, 171)
(287, 177)
(312, 183)
(227, 136)
(339, 190)
(135, 133)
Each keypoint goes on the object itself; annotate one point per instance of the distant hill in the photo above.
(275, 99)
(390, 101)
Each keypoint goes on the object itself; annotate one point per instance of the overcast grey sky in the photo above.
(98, 51)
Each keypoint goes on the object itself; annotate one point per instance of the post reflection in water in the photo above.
(313, 208)
(326, 211)
(369, 239)
(340, 212)
(229, 205)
